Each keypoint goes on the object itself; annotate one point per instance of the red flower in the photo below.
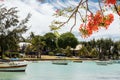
(109, 2)
(95, 22)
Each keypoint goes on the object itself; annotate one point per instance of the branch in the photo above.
(88, 8)
(81, 16)
(116, 9)
(100, 7)
(74, 23)
(74, 12)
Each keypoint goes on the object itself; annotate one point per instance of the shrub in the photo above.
(51, 53)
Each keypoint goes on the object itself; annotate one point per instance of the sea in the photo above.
(45, 70)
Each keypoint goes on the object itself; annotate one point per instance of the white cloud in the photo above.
(39, 22)
(42, 17)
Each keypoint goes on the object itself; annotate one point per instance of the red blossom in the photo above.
(95, 22)
(109, 2)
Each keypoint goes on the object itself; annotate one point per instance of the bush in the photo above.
(51, 53)
(11, 54)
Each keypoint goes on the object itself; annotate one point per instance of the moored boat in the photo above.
(78, 61)
(101, 62)
(60, 62)
(12, 67)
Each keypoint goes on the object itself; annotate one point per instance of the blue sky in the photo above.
(42, 17)
(94, 0)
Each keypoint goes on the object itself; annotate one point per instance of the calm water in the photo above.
(73, 71)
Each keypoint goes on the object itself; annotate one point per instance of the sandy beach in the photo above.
(47, 57)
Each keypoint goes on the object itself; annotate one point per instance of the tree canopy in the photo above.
(67, 39)
(11, 28)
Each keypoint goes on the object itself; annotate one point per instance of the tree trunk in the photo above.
(1, 52)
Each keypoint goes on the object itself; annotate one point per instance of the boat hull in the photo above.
(60, 62)
(77, 61)
(12, 68)
(101, 62)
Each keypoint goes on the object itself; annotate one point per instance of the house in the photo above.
(76, 49)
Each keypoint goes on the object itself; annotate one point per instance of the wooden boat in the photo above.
(78, 61)
(60, 62)
(101, 62)
(12, 67)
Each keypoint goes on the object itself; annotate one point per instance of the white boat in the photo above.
(60, 62)
(12, 66)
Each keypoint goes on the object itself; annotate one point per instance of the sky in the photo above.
(42, 11)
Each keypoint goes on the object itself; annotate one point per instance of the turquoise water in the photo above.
(45, 70)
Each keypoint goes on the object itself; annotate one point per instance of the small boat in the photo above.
(78, 61)
(12, 67)
(116, 61)
(101, 62)
(60, 62)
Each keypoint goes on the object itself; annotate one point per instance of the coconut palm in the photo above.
(37, 44)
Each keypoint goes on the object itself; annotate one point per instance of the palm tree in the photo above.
(83, 52)
(37, 44)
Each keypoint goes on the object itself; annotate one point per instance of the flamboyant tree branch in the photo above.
(116, 9)
(74, 13)
(98, 18)
(100, 7)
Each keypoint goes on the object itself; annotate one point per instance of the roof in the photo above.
(24, 43)
(78, 47)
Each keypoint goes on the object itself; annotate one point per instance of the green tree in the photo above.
(115, 50)
(28, 49)
(50, 40)
(94, 53)
(67, 39)
(68, 51)
(83, 52)
(11, 28)
(37, 44)
(104, 46)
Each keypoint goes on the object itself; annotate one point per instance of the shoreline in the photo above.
(51, 58)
